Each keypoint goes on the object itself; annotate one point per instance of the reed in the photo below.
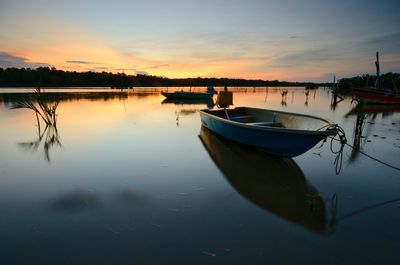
(43, 107)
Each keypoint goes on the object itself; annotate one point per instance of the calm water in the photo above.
(129, 179)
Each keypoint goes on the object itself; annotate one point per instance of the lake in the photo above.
(129, 178)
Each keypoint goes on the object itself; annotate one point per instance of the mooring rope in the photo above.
(339, 153)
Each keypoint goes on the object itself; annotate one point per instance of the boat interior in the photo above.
(270, 118)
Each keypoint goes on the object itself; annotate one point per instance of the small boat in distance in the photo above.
(377, 94)
(182, 101)
(190, 95)
(375, 98)
(275, 132)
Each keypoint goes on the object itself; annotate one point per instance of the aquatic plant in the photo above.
(42, 105)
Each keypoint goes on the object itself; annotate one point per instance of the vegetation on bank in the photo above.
(388, 80)
(51, 77)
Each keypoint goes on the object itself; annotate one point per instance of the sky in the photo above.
(293, 40)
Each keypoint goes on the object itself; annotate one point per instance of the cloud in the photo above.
(156, 66)
(80, 62)
(10, 60)
(302, 57)
(125, 69)
(389, 43)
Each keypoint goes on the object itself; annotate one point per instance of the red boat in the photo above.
(378, 98)
(377, 94)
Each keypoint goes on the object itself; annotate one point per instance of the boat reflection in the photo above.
(276, 184)
(208, 102)
(385, 110)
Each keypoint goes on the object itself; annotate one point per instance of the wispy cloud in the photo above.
(389, 43)
(156, 66)
(11, 60)
(306, 57)
(125, 69)
(80, 62)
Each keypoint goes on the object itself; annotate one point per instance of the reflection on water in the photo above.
(129, 181)
(361, 118)
(48, 138)
(276, 184)
(79, 200)
(187, 107)
(284, 96)
(307, 92)
(336, 99)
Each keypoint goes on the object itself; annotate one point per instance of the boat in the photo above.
(190, 95)
(375, 98)
(181, 101)
(275, 184)
(275, 132)
(377, 94)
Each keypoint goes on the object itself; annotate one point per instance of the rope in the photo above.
(339, 153)
(375, 159)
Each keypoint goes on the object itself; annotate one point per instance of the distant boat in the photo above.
(377, 94)
(278, 133)
(183, 101)
(375, 98)
(276, 184)
(190, 95)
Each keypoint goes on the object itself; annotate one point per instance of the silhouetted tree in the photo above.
(51, 77)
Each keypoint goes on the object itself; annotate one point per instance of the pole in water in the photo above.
(377, 84)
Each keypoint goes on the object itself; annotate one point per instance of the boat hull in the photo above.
(378, 99)
(187, 95)
(276, 141)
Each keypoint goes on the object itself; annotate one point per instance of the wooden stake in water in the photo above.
(377, 83)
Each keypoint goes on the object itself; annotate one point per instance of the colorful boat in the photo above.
(374, 98)
(275, 184)
(190, 95)
(275, 132)
(377, 94)
(179, 101)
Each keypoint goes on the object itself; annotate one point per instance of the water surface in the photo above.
(129, 178)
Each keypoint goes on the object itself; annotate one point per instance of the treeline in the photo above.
(388, 80)
(51, 77)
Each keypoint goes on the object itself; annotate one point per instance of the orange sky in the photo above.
(262, 40)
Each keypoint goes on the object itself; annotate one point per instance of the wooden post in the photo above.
(377, 83)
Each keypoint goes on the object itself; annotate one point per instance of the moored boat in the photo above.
(377, 94)
(275, 132)
(373, 98)
(190, 95)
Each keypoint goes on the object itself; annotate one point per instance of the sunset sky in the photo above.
(295, 40)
